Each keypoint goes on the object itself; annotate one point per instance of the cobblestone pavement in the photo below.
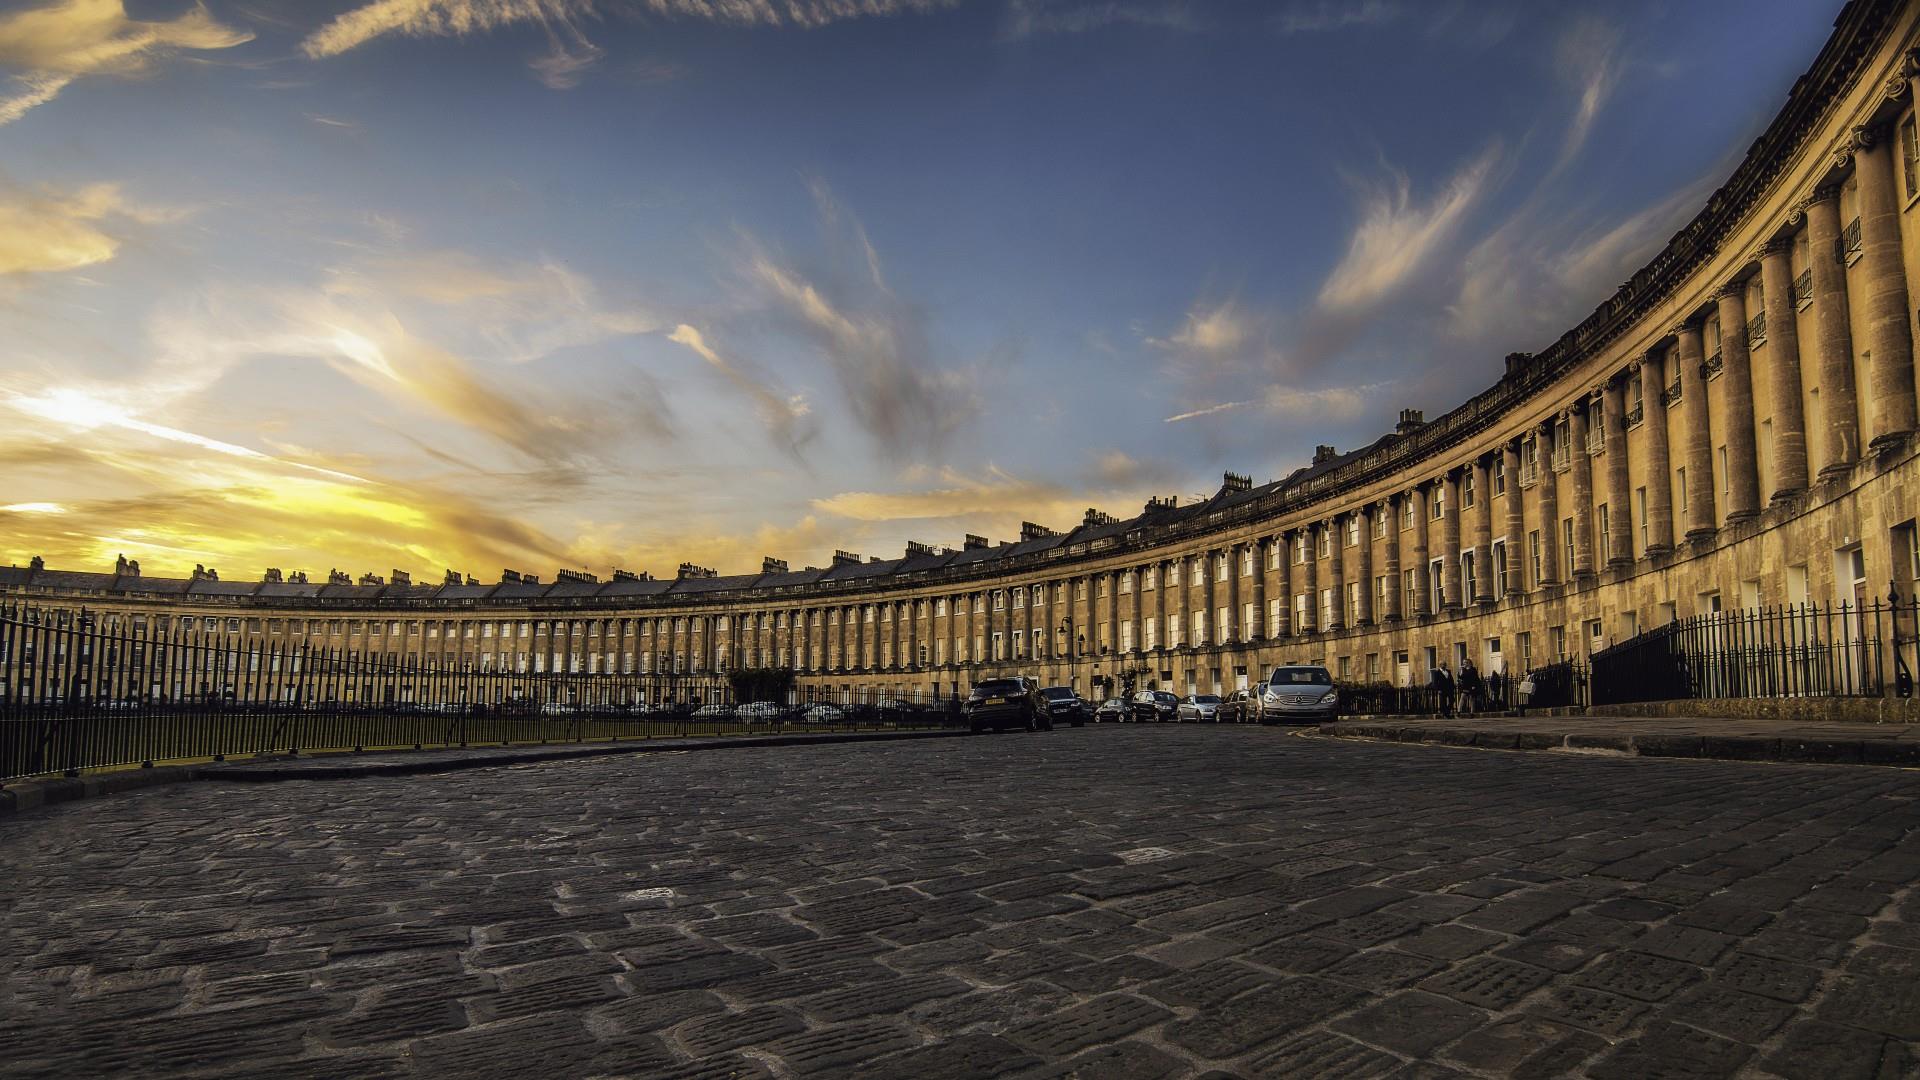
(1105, 902)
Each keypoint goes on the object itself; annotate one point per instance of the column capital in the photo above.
(1732, 290)
(1688, 325)
(1777, 247)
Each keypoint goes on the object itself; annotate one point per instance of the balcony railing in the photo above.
(1671, 395)
(1803, 288)
(1849, 243)
(1633, 417)
(1711, 366)
(1757, 330)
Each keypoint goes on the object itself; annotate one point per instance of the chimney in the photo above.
(529, 579)
(402, 577)
(212, 574)
(271, 577)
(119, 566)
(1411, 420)
(298, 577)
(1234, 481)
(1155, 503)
(199, 571)
(133, 567)
(845, 558)
(1032, 531)
(971, 542)
(1324, 453)
(452, 578)
(471, 580)
(578, 577)
(628, 575)
(689, 570)
(38, 563)
(1096, 517)
(509, 577)
(1517, 362)
(771, 565)
(916, 548)
(371, 578)
(338, 577)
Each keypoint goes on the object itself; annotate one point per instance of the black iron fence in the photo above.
(1557, 685)
(1800, 650)
(80, 691)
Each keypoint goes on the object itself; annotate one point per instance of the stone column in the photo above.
(1582, 489)
(1422, 536)
(1235, 622)
(1483, 530)
(1139, 610)
(1363, 567)
(1455, 597)
(1516, 522)
(1393, 605)
(1337, 570)
(1549, 506)
(1113, 612)
(1659, 463)
(1209, 597)
(1619, 500)
(1889, 334)
(1743, 481)
(1789, 439)
(1701, 520)
(1285, 582)
(1258, 631)
(1832, 332)
(1161, 607)
(1312, 585)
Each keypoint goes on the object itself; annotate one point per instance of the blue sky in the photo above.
(421, 284)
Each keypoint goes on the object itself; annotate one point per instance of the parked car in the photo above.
(1237, 708)
(1002, 703)
(1299, 694)
(715, 711)
(824, 713)
(758, 712)
(1154, 707)
(1112, 711)
(1198, 708)
(1063, 703)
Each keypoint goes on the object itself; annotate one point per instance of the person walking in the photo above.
(1470, 686)
(1442, 686)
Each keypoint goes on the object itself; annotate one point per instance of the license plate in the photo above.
(996, 701)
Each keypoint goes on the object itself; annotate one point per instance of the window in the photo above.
(1380, 587)
(1353, 530)
(1566, 534)
(1499, 568)
(1726, 475)
(1299, 548)
(1173, 574)
(1636, 401)
(1273, 555)
(1126, 635)
(1468, 582)
(1909, 156)
(1437, 583)
(1534, 556)
(1500, 474)
(1299, 613)
(1246, 562)
(1439, 501)
(1466, 489)
(1529, 459)
(1524, 642)
(1353, 603)
(1562, 442)
(1149, 578)
(1126, 582)
(1680, 487)
(1222, 625)
(1249, 621)
(1323, 540)
(1151, 632)
(1273, 617)
(1406, 512)
(1199, 628)
(1606, 533)
(1640, 512)
(1326, 608)
(1219, 568)
(1411, 587)
(1557, 641)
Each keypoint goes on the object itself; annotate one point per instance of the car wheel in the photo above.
(1031, 726)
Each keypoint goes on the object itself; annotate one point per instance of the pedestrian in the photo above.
(1470, 686)
(1497, 689)
(1442, 686)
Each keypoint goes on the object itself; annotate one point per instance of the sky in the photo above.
(531, 284)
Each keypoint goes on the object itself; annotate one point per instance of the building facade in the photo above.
(1734, 427)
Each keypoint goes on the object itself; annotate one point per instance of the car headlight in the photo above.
(1330, 695)
(1269, 694)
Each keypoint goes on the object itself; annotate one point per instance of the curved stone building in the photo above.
(1735, 426)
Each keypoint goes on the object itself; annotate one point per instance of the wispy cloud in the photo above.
(570, 51)
(786, 415)
(1025, 18)
(1395, 236)
(53, 45)
(48, 231)
(1321, 16)
(1588, 57)
(1330, 404)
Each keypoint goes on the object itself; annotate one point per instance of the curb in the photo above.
(1900, 754)
(28, 794)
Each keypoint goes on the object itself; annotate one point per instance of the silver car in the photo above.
(1198, 709)
(1298, 694)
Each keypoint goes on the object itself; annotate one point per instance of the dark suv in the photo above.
(1063, 703)
(1009, 702)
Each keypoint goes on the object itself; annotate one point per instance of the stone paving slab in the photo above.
(1104, 902)
(1665, 737)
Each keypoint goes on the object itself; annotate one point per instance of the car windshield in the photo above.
(1164, 696)
(1301, 676)
(1058, 693)
(1207, 699)
(998, 686)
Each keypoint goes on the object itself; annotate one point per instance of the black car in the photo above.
(1008, 702)
(1113, 711)
(1063, 703)
(1155, 707)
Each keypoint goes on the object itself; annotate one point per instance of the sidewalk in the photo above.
(346, 764)
(1729, 740)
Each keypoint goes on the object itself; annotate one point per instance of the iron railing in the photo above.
(1557, 685)
(1801, 650)
(81, 691)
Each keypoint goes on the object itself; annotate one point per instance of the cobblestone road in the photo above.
(1137, 902)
